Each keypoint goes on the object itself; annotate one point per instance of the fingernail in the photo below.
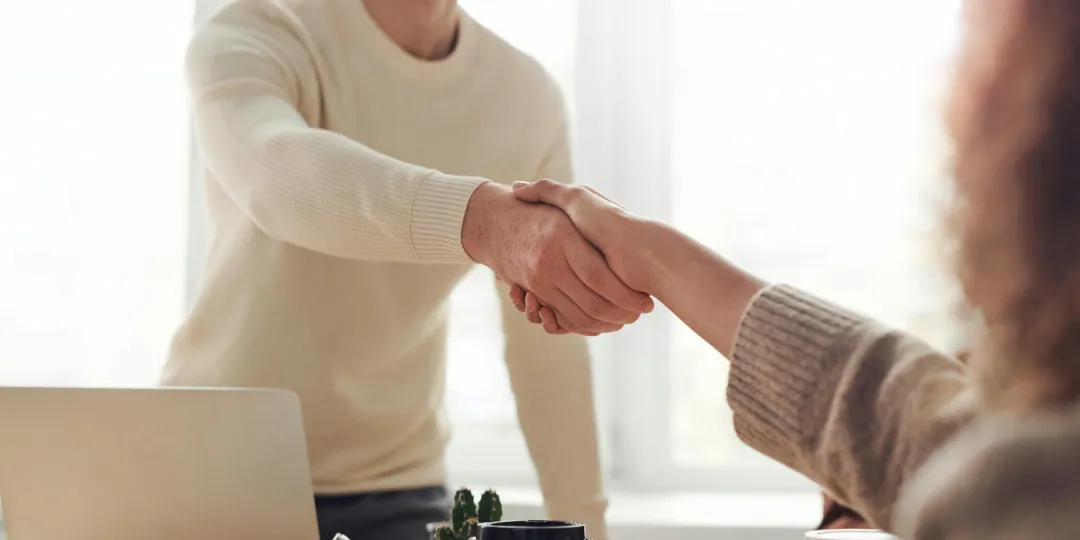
(520, 184)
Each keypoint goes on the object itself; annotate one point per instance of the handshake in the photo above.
(567, 253)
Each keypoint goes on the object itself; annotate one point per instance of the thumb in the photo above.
(602, 196)
(542, 191)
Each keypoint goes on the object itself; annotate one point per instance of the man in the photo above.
(356, 152)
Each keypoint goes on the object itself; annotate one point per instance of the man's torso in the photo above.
(361, 342)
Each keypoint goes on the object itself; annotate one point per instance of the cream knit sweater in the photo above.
(338, 172)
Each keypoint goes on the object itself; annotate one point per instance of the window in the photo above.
(799, 139)
(487, 444)
(805, 146)
(93, 194)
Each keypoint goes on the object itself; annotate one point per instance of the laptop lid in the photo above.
(162, 463)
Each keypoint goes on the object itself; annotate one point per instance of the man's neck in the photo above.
(426, 29)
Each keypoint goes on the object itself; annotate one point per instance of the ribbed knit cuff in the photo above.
(590, 513)
(438, 211)
(786, 364)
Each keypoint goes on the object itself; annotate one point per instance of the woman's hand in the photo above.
(699, 286)
(603, 223)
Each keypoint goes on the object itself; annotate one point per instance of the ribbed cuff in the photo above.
(438, 211)
(590, 513)
(786, 363)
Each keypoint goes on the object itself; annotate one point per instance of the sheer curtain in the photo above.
(806, 146)
(487, 445)
(93, 189)
(800, 139)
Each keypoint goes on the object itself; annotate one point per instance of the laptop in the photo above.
(154, 464)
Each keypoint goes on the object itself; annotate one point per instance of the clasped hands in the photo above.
(563, 251)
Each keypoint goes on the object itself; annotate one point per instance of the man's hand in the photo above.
(538, 248)
(604, 223)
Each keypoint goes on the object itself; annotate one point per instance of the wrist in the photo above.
(670, 257)
(478, 227)
(654, 248)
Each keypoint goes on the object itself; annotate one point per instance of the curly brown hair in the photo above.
(1014, 116)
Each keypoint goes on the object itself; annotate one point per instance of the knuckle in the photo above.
(614, 313)
(591, 325)
(593, 276)
(532, 277)
(549, 257)
(553, 227)
(539, 264)
(593, 307)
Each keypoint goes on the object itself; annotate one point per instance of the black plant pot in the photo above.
(532, 530)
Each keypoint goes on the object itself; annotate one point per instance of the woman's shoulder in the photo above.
(1004, 477)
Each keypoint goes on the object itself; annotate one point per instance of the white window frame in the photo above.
(198, 238)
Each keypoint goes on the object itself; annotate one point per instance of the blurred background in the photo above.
(735, 120)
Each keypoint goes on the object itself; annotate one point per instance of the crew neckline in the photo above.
(433, 72)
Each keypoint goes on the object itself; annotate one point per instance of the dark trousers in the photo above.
(389, 515)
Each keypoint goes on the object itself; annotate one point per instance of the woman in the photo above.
(838, 516)
(909, 437)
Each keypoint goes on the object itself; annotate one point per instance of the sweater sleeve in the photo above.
(300, 184)
(854, 406)
(552, 381)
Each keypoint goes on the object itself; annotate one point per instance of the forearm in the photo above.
(556, 412)
(701, 288)
(813, 385)
(849, 403)
(322, 191)
(552, 382)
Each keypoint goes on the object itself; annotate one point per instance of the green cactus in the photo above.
(464, 508)
(470, 530)
(445, 533)
(490, 507)
(457, 518)
(467, 517)
(464, 499)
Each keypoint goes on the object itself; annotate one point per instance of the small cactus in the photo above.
(466, 517)
(445, 533)
(464, 499)
(464, 508)
(457, 518)
(470, 530)
(490, 507)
